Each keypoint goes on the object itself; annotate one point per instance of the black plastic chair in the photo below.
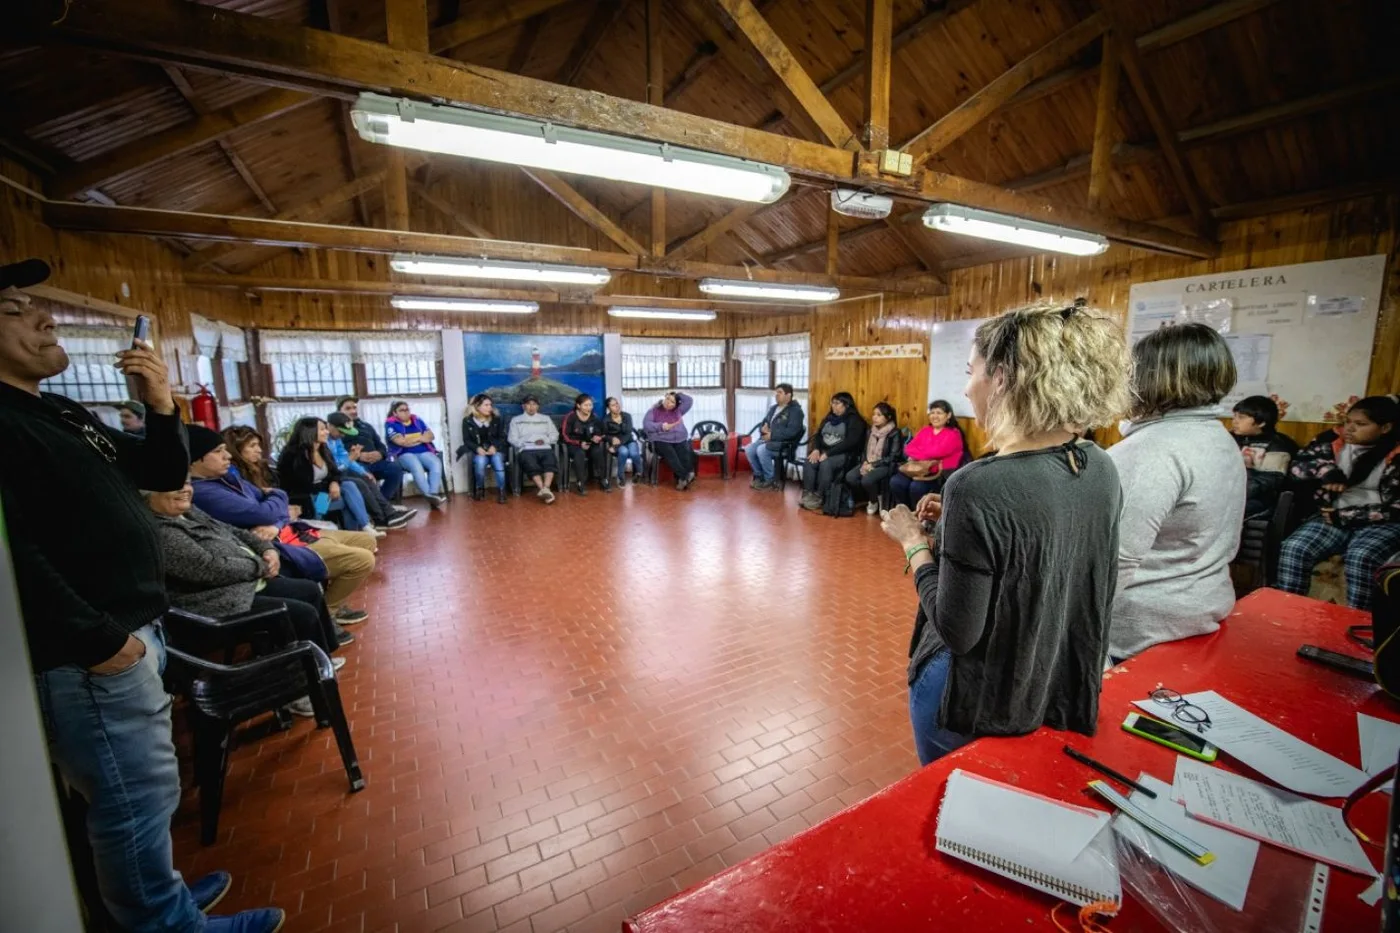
(223, 696)
(464, 453)
(1261, 538)
(517, 478)
(698, 433)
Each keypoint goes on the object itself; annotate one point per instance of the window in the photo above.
(233, 379)
(700, 364)
(652, 367)
(308, 364)
(646, 364)
(392, 376)
(92, 375)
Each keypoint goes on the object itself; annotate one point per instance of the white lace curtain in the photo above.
(217, 340)
(93, 345)
(287, 347)
(791, 352)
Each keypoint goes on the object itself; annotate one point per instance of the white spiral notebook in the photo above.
(1064, 850)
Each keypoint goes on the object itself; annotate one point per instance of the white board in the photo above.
(1320, 318)
(949, 347)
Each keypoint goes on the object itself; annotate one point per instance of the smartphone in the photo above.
(141, 334)
(1164, 733)
(1359, 668)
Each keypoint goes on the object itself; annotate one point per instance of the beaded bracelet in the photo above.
(909, 555)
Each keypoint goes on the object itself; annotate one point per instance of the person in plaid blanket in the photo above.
(1358, 469)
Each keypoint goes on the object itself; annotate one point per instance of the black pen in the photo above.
(1106, 770)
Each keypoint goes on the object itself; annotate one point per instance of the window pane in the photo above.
(204, 371)
(389, 376)
(700, 371)
(313, 377)
(233, 380)
(750, 405)
(709, 405)
(794, 369)
(88, 382)
(754, 373)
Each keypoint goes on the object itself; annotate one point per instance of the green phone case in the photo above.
(1190, 752)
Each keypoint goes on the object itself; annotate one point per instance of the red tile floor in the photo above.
(568, 713)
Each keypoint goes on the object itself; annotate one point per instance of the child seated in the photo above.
(1266, 452)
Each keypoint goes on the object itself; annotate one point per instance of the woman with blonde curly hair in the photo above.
(1184, 487)
(1016, 581)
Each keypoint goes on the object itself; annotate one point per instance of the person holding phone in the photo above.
(1012, 627)
(88, 571)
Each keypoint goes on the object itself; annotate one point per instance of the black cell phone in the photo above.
(1359, 668)
(141, 334)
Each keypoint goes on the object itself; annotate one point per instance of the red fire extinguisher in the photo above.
(205, 408)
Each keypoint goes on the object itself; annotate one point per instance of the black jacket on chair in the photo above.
(295, 471)
(785, 427)
(623, 431)
(492, 435)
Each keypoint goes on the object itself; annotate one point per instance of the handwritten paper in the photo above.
(1278, 755)
(1270, 311)
(1226, 878)
(1269, 814)
(1380, 743)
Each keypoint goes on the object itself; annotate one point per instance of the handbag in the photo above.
(921, 469)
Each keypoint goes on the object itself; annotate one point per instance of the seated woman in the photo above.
(930, 456)
(411, 446)
(664, 425)
(313, 482)
(1359, 498)
(583, 435)
(247, 450)
(884, 447)
(1266, 453)
(1012, 628)
(484, 437)
(533, 435)
(623, 439)
(216, 570)
(1183, 492)
(835, 446)
(346, 448)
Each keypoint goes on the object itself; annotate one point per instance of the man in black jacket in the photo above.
(780, 432)
(87, 563)
(374, 456)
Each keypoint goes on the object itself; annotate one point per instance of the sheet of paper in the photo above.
(1380, 743)
(1226, 879)
(1338, 306)
(1372, 895)
(1251, 353)
(1241, 391)
(1270, 312)
(1269, 815)
(1216, 313)
(1151, 314)
(1278, 755)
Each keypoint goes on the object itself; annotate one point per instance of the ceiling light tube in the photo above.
(986, 225)
(662, 314)
(774, 291)
(457, 267)
(480, 305)
(474, 134)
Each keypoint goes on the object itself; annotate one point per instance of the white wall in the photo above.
(454, 372)
(612, 366)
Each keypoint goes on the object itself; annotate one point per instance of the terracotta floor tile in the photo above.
(563, 762)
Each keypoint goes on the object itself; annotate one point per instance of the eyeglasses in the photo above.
(95, 438)
(1182, 710)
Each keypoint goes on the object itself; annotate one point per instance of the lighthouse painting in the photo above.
(550, 367)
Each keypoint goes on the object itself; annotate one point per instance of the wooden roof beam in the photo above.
(1105, 123)
(656, 88)
(250, 283)
(584, 209)
(1281, 113)
(990, 98)
(698, 242)
(451, 211)
(479, 23)
(879, 53)
(68, 215)
(605, 13)
(187, 91)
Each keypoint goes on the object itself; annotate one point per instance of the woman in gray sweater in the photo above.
(1183, 493)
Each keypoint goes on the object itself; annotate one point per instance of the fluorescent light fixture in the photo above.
(775, 291)
(474, 134)
(863, 204)
(482, 305)
(662, 314)
(499, 269)
(969, 221)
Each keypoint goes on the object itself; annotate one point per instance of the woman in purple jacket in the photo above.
(664, 425)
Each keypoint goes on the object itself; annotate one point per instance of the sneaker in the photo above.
(680, 485)
(342, 637)
(209, 890)
(757, 483)
(337, 663)
(406, 512)
(548, 496)
(371, 530)
(262, 920)
(871, 508)
(399, 519)
(347, 616)
(811, 502)
(606, 486)
(581, 490)
(501, 495)
(302, 708)
(478, 494)
(542, 491)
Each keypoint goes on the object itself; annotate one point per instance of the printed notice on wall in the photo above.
(1269, 311)
(1339, 306)
(1151, 314)
(1251, 353)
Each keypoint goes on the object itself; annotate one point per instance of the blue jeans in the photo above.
(498, 466)
(926, 694)
(626, 452)
(426, 470)
(110, 737)
(390, 476)
(761, 460)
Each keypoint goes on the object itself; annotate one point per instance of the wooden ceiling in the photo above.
(1261, 99)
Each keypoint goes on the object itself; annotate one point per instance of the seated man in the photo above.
(375, 455)
(1266, 452)
(533, 435)
(347, 556)
(347, 450)
(780, 432)
(133, 416)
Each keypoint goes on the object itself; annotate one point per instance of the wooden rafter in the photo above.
(148, 150)
(833, 241)
(349, 137)
(991, 97)
(1105, 123)
(451, 211)
(1289, 110)
(584, 209)
(698, 242)
(187, 91)
(275, 52)
(605, 13)
(904, 231)
(525, 45)
(656, 88)
(67, 215)
(407, 28)
(480, 23)
(361, 287)
(878, 54)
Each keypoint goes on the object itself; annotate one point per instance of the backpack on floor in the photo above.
(839, 502)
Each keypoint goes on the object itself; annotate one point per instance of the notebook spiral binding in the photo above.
(1016, 870)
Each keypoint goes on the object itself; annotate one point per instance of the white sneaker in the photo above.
(871, 508)
(548, 497)
(371, 530)
(337, 663)
(302, 708)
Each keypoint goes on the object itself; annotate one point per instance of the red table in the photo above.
(873, 866)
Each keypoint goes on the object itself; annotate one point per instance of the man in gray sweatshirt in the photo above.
(533, 435)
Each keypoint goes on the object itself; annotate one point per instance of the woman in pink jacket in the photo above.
(932, 454)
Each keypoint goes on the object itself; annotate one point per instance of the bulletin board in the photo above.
(949, 347)
(1304, 332)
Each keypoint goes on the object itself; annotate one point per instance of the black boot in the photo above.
(605, 485)
(479, 493)
(501, 495)
(581, 490)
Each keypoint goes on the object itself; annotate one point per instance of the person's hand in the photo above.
(370, 456)
(616, 442)
(334, 490)
(128, 657)
(814, 457)
(294, 511)
(481, 451)
(929, 508)
(1248, 454)
(820, 456)
(903, 527)
(427, 437)
(273, 562)
(1335, 487)
(584, 444)
(865, 468)
(355, 451)
(490, 451)
(764, 432)
(268, 532)
(145, 365)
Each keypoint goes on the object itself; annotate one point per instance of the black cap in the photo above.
(342, 423)
(23, 274)
(203, 441)
(528, 399)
